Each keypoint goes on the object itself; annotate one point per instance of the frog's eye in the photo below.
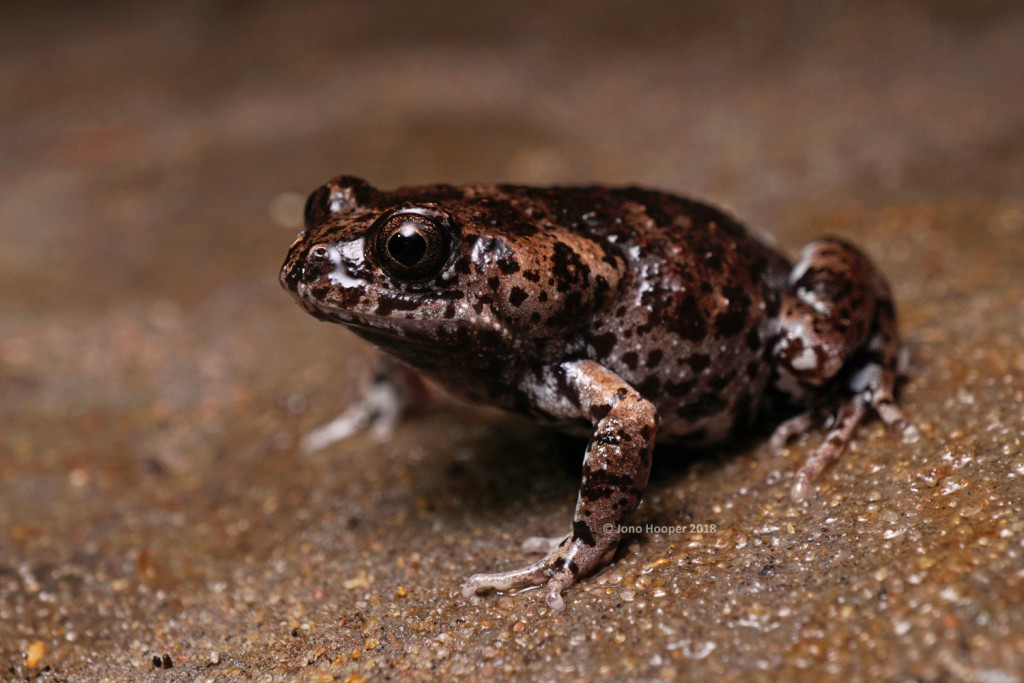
(413, 244)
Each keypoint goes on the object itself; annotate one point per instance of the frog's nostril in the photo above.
(318, 252)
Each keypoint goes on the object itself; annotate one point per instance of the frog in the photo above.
(621, 314)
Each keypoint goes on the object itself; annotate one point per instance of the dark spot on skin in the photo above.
(517, 296)
(699, 362)
(621, 312)
(582, 533)
(603, 344)
(753, 340)
(600, 290)
(532, 275)
(679, 389)
(386, 305)
(731, 322)
(508, 264)
(542, 297)
(719, 382)
(631, 359)
(753, 369)
(449, 310)
(568, 268)
(500, 212)
(651, 387)
(654, 358)
(713, 260)
(598, 412)
(535, 317)
(688, 320)
(599, 484)
(493, 282)
(734, 318)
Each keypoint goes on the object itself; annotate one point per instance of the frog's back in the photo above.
(691, 322)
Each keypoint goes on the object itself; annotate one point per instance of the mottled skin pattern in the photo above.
(617, 313)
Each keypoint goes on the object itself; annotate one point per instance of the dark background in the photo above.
(154, 379)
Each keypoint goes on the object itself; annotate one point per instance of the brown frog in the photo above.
(621, 313)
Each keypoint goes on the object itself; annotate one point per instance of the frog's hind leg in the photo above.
(838, 345)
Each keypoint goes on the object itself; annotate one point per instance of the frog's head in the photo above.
(477, 269)
(387, 266)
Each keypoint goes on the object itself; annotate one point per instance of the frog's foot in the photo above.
(394, 391)
(558, 570)
(843, 423)
(379, 410)
(850, 415)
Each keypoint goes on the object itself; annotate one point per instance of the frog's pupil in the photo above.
(407, 246)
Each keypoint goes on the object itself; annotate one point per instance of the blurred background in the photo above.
(154, 158)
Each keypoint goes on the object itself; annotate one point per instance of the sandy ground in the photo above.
(154, 378)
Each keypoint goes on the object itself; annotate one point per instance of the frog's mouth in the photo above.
(395, 327)
(391, 326)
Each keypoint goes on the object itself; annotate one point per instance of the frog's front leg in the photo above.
(615, 470)
(394, 389)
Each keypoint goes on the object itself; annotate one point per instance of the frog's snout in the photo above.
(302, 267)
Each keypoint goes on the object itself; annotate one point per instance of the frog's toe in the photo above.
(531, 575)
(850, 415)
(787, 430)
(553, 591)
(884, 404)
(551, 572)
